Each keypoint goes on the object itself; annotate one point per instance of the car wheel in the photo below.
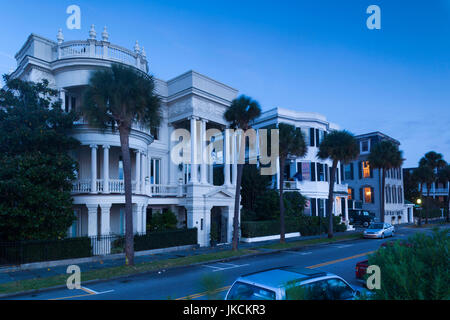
(365, 224)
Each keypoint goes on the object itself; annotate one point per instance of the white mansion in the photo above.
(190, 101)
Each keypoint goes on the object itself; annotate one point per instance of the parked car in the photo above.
(379, 230)
(361, 267)
(361, 217)
(281, 284)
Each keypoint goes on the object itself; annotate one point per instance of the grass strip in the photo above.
(301, 243)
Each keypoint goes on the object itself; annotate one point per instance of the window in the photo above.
(348, 171)
(305, 132)
(321, 207)
(312, 137)
(366, 169)
(321, 172)
(368, 194)
(245, 291)
(120, 173)
(339, 290)
(350, 193)
(321, 136)
(317, 290)
(365, 146)
(155, 171)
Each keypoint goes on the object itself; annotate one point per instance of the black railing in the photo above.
(21, 252)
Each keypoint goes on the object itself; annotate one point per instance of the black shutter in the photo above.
(360, 169)
(311, 137)
(372, 190)
(326, 172)
(342, 172)
(352, 174)
(313, 171)
(371, 171)
(317, 138)
(326, 208)
(361, 195)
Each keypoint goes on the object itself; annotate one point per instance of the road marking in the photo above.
(340, 260)
(226, 267)
(89, 292)
(201, 294)
(300, 253)
(343, 246)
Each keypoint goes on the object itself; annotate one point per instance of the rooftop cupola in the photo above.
(92, 33)
(105, 35)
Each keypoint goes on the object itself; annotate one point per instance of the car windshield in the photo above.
(245, 291)
(376, 226)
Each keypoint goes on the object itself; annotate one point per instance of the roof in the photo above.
(281, 276)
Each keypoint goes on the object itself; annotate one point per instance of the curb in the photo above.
(10, 295)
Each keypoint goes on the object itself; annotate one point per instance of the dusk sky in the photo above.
(315, 56)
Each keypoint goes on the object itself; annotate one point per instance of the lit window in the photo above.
(367, 195)
(350, 193)
(366, 169)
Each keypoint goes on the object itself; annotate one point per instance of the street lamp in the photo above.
(419, 201)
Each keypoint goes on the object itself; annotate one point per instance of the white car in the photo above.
(291, 283)
(379, 230)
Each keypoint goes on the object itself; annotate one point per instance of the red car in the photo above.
(361, 267)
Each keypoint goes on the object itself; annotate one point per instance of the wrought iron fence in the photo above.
(21, 252)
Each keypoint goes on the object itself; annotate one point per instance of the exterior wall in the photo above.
(189, 98)
(394, 207)
(316, 191)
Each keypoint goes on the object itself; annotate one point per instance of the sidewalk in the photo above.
(11, 276)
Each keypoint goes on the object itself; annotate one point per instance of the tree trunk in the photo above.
(428, 203)
(331, 199)
(129, 236)
(237, 202)
(383, 192)
(282, 226)
(448, 204)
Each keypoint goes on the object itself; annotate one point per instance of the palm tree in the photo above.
(116, 98)
(241, 112)
(422, 175)
(291, 142)
(444, 176)
(385, 155)
(339, 146)
(434, 161)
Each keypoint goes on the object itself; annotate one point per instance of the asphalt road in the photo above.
(338, 258)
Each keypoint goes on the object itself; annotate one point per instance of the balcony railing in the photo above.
(101, 50)
(117, 186)
(302, 185)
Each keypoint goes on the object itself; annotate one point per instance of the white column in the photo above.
(144, 219)
(92, 219)
(226, 158)
(235, 149)
(138, 221)
(204, 158)
(135, 214)
(211, 173)
(172, 166)
(346, 211)
(194, 220)
(194, 178)
(93, 168)
(143, 172)
(62, 96)
(106, 168)
(278, 173)
(138, 171)
(105, 222)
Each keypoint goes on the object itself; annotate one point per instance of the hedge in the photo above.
(306, 225)
(21, 252)
(159, 239)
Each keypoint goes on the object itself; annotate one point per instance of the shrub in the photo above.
(44, 250)
(163, 221)
(306, 225)
(417, 271)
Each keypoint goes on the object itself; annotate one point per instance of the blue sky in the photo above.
(314, 56)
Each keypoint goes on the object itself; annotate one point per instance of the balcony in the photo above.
(313, 186)
(116, 186)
